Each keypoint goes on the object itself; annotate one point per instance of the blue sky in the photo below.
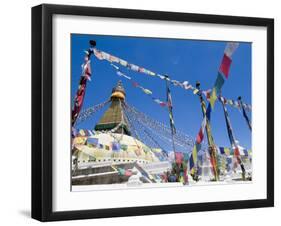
(191, 60)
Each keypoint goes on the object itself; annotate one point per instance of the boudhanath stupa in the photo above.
(109, 153)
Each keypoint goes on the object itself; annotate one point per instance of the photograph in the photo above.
(150, 112)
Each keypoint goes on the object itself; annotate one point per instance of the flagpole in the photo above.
(244, 112)
(82, 88)
(232, 139)
(170, 115)
(211, 143)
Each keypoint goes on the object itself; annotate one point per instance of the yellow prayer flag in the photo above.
(194, 154)
(213, 98)
(82, 133)
(227, 151)
(195, 91)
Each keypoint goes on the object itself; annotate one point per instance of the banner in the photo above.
(244, 113)
(137, 85)
(170, 107)
(80, 94)
(210, 94)
(223, 71)
(197, 146)
(90, 111)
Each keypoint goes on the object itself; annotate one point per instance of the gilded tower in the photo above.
(114, 115)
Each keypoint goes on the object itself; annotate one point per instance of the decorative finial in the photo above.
(92, 43)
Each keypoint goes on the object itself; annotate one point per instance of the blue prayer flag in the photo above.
(93, 141)
(115, 146)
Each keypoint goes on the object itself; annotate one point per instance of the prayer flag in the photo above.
(213, 97)
(216, 89)
(115, 146)
(225, 65)
(82, 133)
(191, 162)
(230, 48)
(128, 173)
(98, 54)
(219, 83)
(123, 63)
(113, 59)
(134, 67)
(147, 91)
(200, 135)
(170, 105)
(195, 91)
(236, 151)
(121, 171)
(93, 141)
(221, 150)
(227, 151)
(208, 112)
(135, 84)
(124, 147)
(246, 117)
(161, 76)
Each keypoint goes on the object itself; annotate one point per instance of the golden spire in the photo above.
(118, 92)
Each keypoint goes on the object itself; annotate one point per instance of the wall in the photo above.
(15, 111)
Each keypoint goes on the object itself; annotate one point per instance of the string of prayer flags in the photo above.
(247, 118)
(80, 94)
(186, 85)
(227, 151)
(228, 126)
(232, 103)
(211, 95)
(170, 107)
(236, 104)
(223, 71)
(89, 111)
(137, 85)
(197, 145)
(224, 151)
(216, 89)
(101, 55)
(245, 114)
(161, 103)
(233, 141)
(84, 133)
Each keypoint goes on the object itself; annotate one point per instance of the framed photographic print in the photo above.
(146, 112)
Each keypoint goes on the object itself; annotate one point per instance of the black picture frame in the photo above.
(42, 111)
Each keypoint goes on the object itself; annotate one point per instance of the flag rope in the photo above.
(230, 48)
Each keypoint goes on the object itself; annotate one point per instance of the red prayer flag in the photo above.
(199, 137)
(135, 84)
(163, 104)
(225, 65)
(236, 152)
